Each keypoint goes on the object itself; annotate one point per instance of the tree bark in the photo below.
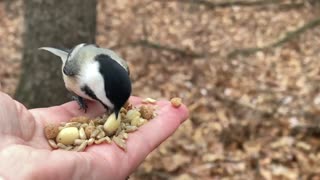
(58, 23)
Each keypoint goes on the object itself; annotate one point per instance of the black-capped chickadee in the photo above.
(95, 73)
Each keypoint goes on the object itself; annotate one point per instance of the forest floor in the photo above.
(252, 116)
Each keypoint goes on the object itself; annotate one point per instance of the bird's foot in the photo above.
(83, 105)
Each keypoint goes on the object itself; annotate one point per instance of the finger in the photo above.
(8, 115)
(134, 100)
(144, 140)
(62, 113)
(71, 109)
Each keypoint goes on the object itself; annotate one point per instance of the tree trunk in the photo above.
(58, 23)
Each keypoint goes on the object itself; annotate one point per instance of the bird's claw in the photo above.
(81, 103)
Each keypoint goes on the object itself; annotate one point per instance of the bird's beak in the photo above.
(116, 111)
(58, 52)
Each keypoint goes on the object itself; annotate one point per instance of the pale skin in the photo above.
(25, 153)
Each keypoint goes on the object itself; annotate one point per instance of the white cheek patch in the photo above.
(91, 76)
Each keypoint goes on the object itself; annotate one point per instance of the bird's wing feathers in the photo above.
(63, 54)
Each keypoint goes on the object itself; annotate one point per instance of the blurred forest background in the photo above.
(247, 69)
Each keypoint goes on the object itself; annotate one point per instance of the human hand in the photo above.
(25, 153)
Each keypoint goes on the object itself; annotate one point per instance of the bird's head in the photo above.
(72, 60)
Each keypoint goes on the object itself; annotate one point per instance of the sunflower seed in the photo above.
(61, 146)
(118, 130)
(52, 143)
(101, 135)
(100, 127)
(84, 125)
(120, 142)
(99, 141)
(108, 140)
(74, 148)
(131, 128)
(91, 123)
(68, 148)
(149, 100)
(72, 124)
(78, 141)
(123, 135)
(95, 133)
(102, 140)
(90, 141)
(100, 121)
(82, 146)
(82, 134)
(123, 110)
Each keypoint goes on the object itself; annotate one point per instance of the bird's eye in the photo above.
(65, 71)
(68, 71)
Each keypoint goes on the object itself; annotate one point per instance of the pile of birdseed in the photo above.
(81, 132)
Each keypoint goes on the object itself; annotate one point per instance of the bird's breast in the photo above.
(74, 86)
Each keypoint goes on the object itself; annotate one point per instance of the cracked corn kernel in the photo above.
(146, 112)
(176, 102)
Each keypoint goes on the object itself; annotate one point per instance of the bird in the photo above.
(94, 73)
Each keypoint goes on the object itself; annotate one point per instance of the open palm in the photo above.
(25, 153)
